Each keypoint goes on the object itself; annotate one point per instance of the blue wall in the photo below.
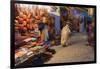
(57, 23)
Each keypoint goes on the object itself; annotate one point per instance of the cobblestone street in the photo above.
(77, 51)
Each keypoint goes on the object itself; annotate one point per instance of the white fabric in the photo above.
(65, 35)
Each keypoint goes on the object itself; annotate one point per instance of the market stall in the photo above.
(33, 34)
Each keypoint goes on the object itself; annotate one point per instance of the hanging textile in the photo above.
(57, 25)
(45, 32)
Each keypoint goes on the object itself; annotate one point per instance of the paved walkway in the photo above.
(76, 52)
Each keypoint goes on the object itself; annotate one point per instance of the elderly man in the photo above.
(65, 34)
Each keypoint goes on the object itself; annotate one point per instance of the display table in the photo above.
(31, 52)
(29, 49)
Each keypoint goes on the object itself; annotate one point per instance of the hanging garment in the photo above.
(82, 29)
(46, 35)
(65, 35)
(57, 24)
(90, 31)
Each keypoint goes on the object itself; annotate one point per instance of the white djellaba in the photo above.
(65, 35)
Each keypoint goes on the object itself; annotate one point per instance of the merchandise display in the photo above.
(52, 34)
